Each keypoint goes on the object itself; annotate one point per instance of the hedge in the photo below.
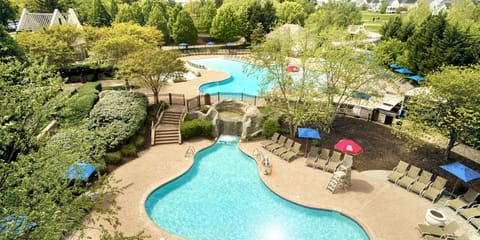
(79, 105)
(270, 126)
(118, 115)
(196, 128)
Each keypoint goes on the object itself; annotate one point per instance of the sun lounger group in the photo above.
(464, 205)
(431, 232)
(282, 146)
(325, 159)
(409, 177)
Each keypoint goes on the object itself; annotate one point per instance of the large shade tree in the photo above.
(225, 24)
(151, 68)
(448, 105)
(334, 14)
(184, 29)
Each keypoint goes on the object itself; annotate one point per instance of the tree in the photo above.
(465, 14)
(258, 34)
(389, 51)
(224, 25)
(290, 13)
(157, 19)
(99, 16)
(7, 12)
(151, 68)
(334, 14)
(383, 7)
(184, 30)
(109, 45)
(391, 28)
(269, 16)
(449, 105)
(207, 14)
(45, 6)
(8, 46)
(419, 13)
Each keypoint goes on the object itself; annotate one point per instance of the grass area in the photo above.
(372, 25)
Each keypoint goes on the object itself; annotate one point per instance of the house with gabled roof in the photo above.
(33, 21)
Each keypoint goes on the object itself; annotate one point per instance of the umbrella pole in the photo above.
(454, 186)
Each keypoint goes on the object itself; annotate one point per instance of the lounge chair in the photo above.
(448, 230)
(292, 153)
(430, 237)
(285, 148)
(469, 213)
(410, 178)
(476, 223)
(435, 189)
(423, 182)
(273, 140)
(399, 171)
(312, 157)
(334, 161)
(463, 201)
(276, 145)
(323, 158)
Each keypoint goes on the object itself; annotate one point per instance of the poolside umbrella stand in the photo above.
(308, 133)
(348, 146)
(183, 44)
(460, 171)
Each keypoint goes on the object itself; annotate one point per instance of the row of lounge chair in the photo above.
(464, 205)
(285, 148)
(325, 159)
(432, 232)
(418, 183)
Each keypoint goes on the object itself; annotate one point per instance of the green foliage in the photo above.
(270, 126)
(7, 12)
(268, 18)
(290, 13)
(225, 24)
(157, 19)
(207, 14)
(204, 109)
(118, 115)
(99, 16)
(79, 105)
(129, 150)
(8, 46)
(138, 140)
(389, 51)
(113, 157)
(334, 14)
(184, 30)
(196, 128)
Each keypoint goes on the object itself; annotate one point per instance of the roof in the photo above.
(33, 21)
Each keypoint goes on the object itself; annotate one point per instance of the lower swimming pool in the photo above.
(223, 197)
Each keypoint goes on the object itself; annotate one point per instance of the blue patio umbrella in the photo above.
(416, 78)
(403, 71)
(308, 133)
(183, 44)
(210, 43)
(14, 222)
(394, 66)
(461, 171)
(81, 171)
(229, 44)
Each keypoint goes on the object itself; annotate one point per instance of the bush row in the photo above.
(80, 103)
(196, 128)
(90, 72)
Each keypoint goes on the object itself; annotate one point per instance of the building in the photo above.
(33, 21)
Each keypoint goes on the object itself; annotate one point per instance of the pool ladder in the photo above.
(190, 152)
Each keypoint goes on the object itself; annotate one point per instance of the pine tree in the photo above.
(99, 16)
(184, 30)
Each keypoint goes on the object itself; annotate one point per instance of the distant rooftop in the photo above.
(33, 21)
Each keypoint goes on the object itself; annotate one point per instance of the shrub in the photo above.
(118, 115)
(270, 126)
(113, 157)
(139, 140)
(196, 128)
(129, 150)
(79, 105)
(204, 109)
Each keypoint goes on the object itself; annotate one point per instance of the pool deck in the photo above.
(385, 211)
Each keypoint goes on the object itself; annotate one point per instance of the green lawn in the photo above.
(374, 25)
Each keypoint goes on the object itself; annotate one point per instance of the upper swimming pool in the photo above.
(223, 197)
(239, 81)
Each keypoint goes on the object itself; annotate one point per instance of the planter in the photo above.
(435, 217)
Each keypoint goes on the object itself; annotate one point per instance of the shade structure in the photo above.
(210, 43)
(14, 223)
(81, 171)
(416, 78)
(292, 68)
(394, 66)
(229, 43)
(461, 171)
(403, 71)
(308, 133)
(183, 44)
(348, 146)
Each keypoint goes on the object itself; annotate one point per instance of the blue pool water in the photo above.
(222, 197)
(239, 81)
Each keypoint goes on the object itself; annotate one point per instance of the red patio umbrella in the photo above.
(348, 146)
(292, 68)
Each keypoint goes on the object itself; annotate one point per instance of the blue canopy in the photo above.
(183, 44)
(229, 43)
(394, 66)
(308, 133)
(81, 171)
(210, 43)
(14, 223)
(461, 171)
(416, 78)
(403, 71)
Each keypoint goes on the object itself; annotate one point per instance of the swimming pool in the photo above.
(223, 197)
(239, 81)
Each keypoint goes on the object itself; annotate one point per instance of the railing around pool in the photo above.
(208, 99)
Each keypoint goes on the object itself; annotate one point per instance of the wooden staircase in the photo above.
(167, 130)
